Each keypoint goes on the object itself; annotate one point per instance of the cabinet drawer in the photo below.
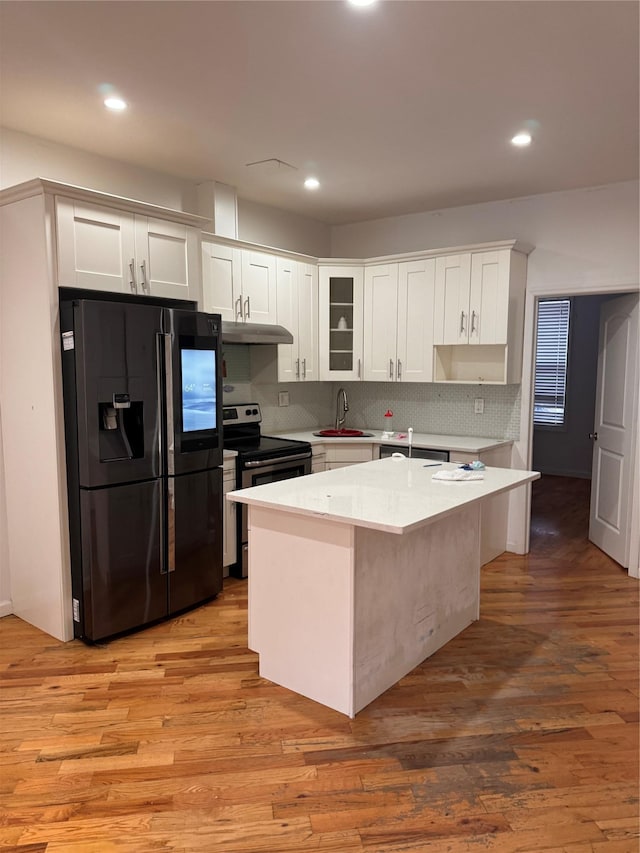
(349, 453)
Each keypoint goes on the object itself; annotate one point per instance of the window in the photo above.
(552, 346)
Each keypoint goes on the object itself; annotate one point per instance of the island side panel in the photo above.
(413, 593)
(301, 604)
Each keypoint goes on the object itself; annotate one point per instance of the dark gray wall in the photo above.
(568, 451)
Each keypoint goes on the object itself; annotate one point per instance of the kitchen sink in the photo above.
(343, 433)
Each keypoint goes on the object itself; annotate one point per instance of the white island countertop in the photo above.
(431, 441)
(391, 495)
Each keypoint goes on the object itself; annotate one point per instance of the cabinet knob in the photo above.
(593, 435)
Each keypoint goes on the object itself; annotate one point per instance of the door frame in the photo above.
(519, 526)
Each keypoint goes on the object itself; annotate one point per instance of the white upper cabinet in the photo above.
(239, 284)
(381, 323)
(258, 287)
(453, 287)
(489, 298)
(104, 248)
(398, 321)
(221, 280)
(479, 317)
(416, 286)
(340, 322)
(297, 311)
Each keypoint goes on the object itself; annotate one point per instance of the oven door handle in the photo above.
(264, 462)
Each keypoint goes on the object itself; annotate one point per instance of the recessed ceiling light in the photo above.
(521, 140)
(114, 103)
(311, 183)
(362, 2)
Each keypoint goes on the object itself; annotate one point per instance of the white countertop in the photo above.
(462, 443)
(393, 495)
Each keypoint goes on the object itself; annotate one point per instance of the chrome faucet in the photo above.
(342, 397)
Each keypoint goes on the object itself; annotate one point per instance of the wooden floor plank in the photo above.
(519, 736)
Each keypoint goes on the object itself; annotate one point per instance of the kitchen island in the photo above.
(357, 575)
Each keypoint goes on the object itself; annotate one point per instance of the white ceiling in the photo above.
(404, 107)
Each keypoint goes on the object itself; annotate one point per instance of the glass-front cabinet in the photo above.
(341, 322)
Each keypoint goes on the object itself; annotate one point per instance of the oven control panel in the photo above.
(241, 413)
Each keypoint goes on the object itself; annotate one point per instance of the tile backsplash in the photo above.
(427, 407)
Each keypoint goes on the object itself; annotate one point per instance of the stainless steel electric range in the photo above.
(261, 459)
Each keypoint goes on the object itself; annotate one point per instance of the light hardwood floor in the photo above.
(519, 735)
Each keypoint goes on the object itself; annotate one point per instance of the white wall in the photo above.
(23, 157)
(258, 223)
(581, 238)
(5, 584)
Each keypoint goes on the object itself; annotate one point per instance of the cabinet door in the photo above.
(221, 277)
(451, 312)
(380, 322)
(287, 316)
(258, 287)
(489, 300)
(340, 319)
(416, 286)
(308, 321)
(229, 546)
(96, 247)
(167, 258)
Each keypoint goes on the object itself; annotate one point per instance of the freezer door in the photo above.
(122, 586)
(193, 378)
(195, 538)
(112, 388)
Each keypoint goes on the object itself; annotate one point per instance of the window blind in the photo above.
(552, 347)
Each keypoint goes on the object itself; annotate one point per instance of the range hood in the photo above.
(254, 333)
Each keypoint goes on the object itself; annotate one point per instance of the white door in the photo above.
(167, 258)
(258, 287)
(489, 299)
(451, 312)
(614, 431)
(308, 321)
(96, 247)
(221, 275)
(287, 316)
(415, 320)
(380, 322)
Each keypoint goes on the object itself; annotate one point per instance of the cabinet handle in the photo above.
(390, 368)
(247, 306)
(132, 275)
(145, 283)
(359, 377)
(462, 322)
(238, 307)
(304, 368)
(473, 322)
(297, 368)
(399, 373)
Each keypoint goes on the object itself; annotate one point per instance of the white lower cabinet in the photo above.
(318, 458)
(106, 248)
(229, 547)
(341, 455)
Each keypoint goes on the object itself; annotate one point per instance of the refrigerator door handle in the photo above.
(171, 524)
(165, 358)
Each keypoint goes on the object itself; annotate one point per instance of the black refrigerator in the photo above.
(143, 428)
